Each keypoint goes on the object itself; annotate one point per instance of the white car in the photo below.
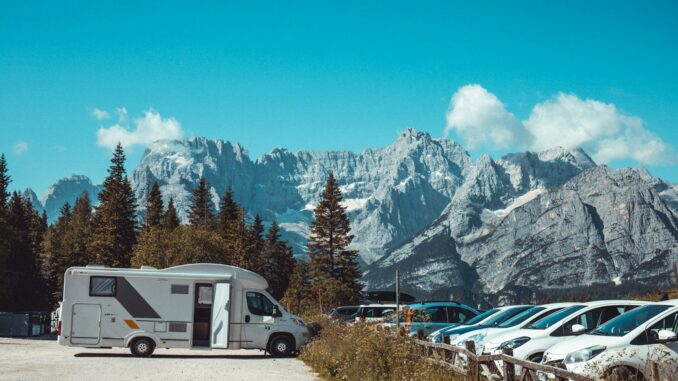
(531, 342)
(519, 321)
(628, 342)
(375, 312)
(483, 318)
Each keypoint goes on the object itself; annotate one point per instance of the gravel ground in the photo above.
(28, 359)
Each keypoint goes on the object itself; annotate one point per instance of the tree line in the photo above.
(34, 255)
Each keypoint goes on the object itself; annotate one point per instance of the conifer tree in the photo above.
(4, 232)
(277, 262)
(77, 232)
(255, 244)
(202, 211)
(4, 183)
(298, 297)
(333, 267)
(236, 237)
(55, 258)
(154, 208)
(170, 220)
(114, 224)
(229, 211)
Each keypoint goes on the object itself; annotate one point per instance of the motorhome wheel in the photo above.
(142, 347)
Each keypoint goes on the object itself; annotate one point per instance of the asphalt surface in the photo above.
(31, 359)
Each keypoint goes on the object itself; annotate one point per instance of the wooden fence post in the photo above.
(509, 368)
(654, 374)
(473, 373)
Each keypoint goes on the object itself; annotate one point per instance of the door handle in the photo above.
(247, 318)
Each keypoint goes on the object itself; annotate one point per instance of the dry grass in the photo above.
(361, 352)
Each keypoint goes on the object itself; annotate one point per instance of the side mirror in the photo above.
(665, 336)
(276, 312)
(578, 329)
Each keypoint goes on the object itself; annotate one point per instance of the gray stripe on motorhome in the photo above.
(133, 302)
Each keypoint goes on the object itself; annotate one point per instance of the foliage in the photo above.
(363, 352)
(163, 248)
(333, 267)
(202, 210)
(114, 224)
(154, 208)
(170, 220)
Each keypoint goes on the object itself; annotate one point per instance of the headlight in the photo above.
(515, 343)
(299, 322)
(585, 354)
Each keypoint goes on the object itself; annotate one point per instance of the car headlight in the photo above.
(515, 343)
(299, 322)
(585, 354)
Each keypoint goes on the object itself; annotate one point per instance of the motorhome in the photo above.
(197, 306)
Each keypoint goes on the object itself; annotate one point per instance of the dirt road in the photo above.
(22, 359)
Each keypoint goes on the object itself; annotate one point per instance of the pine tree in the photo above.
(202, 211)
(55, 258)
(277, 262)
(333, 267)
(170, 220)
(154, 208)
(114, 224)
(229, 211)
(236, 237)
(298, 296)
(4, 183)
(77, 232)
(255, 244)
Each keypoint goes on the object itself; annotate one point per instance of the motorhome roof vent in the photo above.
(148, 268)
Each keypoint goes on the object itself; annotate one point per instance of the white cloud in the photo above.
(99, 114)
(480, 118)
(604, 132)
(147, 129)
(20, 148)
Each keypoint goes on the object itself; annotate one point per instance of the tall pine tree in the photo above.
(170, 220)
(154, 208)
(277, 262)
(202, 211)
(228, 211)
(333, 267)
(114, 224)
(55, 257)
(4, 232)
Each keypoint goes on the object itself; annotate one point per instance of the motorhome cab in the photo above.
(198, 306)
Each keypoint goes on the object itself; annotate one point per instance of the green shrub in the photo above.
(363, 352)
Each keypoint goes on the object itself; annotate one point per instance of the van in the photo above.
(196, 306)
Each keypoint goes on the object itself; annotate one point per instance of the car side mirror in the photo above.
(578, 329)
(666, 336)
(276, 312)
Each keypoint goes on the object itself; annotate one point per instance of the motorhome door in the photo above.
(220, 314)
(86, 324)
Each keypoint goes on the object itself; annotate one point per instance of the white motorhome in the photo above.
(197, 306)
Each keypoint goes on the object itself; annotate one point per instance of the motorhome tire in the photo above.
(142, 347)
(281, 346)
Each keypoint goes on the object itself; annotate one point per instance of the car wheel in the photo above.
(281, 346)
(536, 358)
(142, 347)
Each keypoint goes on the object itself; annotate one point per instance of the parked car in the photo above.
(518, 321)
(504, 314)
(531, 342)
(436, 336)
(426, 317)
(627, 343)
(343, 313)
(373, 312)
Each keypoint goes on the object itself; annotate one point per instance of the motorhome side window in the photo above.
(102, 286)
(258, 304)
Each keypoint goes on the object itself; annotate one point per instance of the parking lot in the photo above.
(30, 359)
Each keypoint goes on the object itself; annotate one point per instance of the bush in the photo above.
(363, 352)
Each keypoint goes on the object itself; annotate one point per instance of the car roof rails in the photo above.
(439, 301)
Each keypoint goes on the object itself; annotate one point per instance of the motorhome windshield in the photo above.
(521, 317)
(555, 318)
(623, 324)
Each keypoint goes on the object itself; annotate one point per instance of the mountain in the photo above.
(67, 190)
(390, 193)
(525, 226)
(30, 195)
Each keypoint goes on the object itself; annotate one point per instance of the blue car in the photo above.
(504, 314)
(427, 317)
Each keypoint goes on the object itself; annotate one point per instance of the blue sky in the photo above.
(346, 75)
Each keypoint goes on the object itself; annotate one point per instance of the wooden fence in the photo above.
(483, 367)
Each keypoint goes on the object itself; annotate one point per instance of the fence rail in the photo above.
(483, 367)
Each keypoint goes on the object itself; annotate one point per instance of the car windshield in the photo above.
(482, 317)
(521, 317)
(553, 319)
(504, 315)
(625, 323)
